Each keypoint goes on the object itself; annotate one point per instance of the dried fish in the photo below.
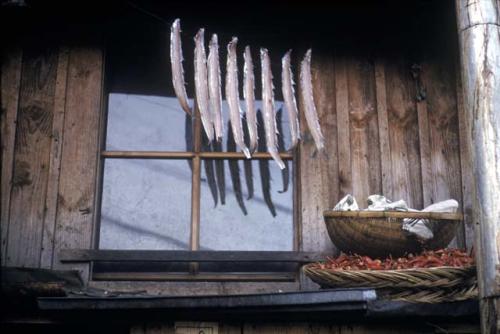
(265, 174)
(289, 98)
(234, 171)
(268, 107)
(309, 107)
(219, 173)
(249, 95)
(247, 164)
(233, 96)
(214, 88)
(209, 170)
(177, 70)
(201, 83)
(285, 173)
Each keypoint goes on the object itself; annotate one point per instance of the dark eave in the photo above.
(324, 305)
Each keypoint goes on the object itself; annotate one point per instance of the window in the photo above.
(164, 188)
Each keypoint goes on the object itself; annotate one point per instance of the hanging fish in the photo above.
(285, 173)
(265, 174)
(233, 96)
(219, 173)
(289, 98)
(249, 95)
(247, 164)
(234, 171)
(209, 170)
(214, 88)
(201, 83)
(309, 107)
(177, 70)
(268, 107)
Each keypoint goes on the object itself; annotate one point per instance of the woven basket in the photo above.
(430, 295)
(380, 233)
(421, 278)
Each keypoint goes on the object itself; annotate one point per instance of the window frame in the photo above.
(196, 156)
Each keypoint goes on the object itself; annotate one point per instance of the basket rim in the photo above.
(454, 216)
(407, 270)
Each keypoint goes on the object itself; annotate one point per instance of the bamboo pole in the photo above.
(479, 35)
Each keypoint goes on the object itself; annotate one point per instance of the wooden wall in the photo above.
(391, 118)
(381, 139)
(51, 97)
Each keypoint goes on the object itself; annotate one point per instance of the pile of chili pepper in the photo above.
(426, 259)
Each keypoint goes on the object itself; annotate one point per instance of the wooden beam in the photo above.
(87, 255)
(207, 277)
(479, 34)
(187, 155)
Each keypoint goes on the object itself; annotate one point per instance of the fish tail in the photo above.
(209, 172)
(219, 173)
(234, 171)
(265, 175)
(285, 172)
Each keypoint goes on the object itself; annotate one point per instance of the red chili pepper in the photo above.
(427, 259)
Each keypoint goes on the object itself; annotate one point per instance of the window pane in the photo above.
(282, 124)
(145, 123)
(146, 204)
(226, 227)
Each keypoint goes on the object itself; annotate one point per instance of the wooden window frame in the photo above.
(196, 156)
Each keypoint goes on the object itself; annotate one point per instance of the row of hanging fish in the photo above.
(208, 94)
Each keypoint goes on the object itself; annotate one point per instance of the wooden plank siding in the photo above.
(49, 218)
(374, 131)
(10, 80)
(39, 91)
(77, 180)
(31, 155)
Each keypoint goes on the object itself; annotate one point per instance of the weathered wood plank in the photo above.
(403, 134)
(195, 327)
(383, 129)
(439, 80)
(196, 288)
(464, 134)
(443, 131)
(54, 160)
(274, 328)
(479, 35)
(230, 328)
(79, 153)
(423, 136)
(31, 157)
(364, 137)
(9, 84)
(318, 174)
(343, 126)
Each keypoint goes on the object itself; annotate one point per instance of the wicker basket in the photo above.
(380, 233)
(423, 285)
(435, 278)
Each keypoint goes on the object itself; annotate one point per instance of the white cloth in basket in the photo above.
(420, 228)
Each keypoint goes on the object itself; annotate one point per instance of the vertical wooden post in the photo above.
(479, 34)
